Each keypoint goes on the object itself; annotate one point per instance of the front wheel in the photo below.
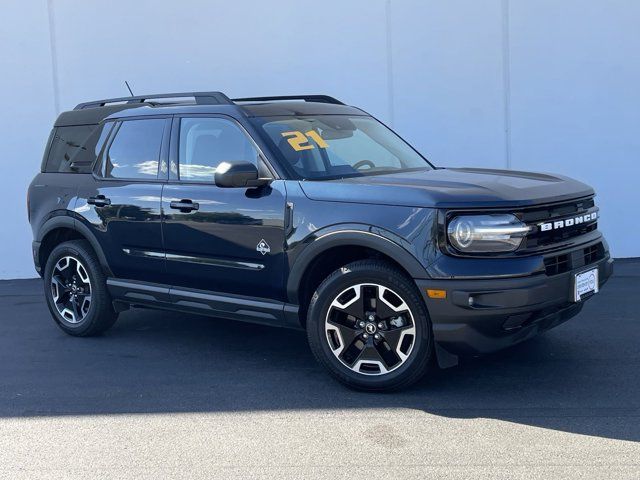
(368, 326)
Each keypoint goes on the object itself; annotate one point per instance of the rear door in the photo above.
(227, 240)
(120, 202)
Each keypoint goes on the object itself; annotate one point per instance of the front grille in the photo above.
(582, 257)
(537, 216)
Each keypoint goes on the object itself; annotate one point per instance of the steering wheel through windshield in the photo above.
(364, 163)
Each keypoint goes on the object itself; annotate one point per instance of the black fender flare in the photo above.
(351, 235)
(66, 221)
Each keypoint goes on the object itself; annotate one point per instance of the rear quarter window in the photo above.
(73, 149)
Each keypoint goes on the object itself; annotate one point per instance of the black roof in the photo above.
(273, 109)
(89, 116)
(94, 112)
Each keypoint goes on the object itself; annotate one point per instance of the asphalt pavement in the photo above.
(168, 395)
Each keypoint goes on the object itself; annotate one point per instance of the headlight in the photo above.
(486, 233)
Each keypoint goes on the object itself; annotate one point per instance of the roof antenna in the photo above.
(127, 84)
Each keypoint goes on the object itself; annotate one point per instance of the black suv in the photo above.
(303, 212)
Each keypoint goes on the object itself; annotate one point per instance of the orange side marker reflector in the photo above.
(437, 293)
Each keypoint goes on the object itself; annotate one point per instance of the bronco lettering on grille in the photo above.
(568, 222)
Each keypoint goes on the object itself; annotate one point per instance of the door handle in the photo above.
(185, 205)
(99, 201)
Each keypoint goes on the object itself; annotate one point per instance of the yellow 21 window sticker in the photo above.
(300, 141)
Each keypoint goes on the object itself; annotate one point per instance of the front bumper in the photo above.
(505, 311)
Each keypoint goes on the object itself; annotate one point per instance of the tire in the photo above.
(73, 272)
(349, 347)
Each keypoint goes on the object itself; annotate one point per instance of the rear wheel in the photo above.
(76, 290)
(368, 326)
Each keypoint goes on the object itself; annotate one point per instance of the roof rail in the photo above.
(201, 98)
(306, 98)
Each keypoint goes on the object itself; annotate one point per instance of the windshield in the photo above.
(321, 147)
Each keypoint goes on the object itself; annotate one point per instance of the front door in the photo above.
(227, 240)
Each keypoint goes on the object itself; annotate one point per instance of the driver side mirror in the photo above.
(239, 175)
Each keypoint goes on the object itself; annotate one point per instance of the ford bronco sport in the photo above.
(303, 212)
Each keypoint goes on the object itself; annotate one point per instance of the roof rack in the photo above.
(306, 98)
(201, 98)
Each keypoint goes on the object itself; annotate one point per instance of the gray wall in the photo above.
(540, 85)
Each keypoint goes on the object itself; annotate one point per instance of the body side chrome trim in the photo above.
(218, 262)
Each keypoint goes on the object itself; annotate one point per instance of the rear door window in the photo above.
(134, 152)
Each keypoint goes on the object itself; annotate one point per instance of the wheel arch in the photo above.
(61, 229)
(333, 248)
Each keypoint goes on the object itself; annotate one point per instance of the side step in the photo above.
(203, 302)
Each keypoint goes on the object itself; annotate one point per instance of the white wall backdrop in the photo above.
(550, 85)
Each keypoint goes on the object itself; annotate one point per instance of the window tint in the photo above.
(74, 149)
(207, 142)
(135, 150)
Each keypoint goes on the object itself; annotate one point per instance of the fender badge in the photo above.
(263, 247)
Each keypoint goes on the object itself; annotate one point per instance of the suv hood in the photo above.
(450, 188)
